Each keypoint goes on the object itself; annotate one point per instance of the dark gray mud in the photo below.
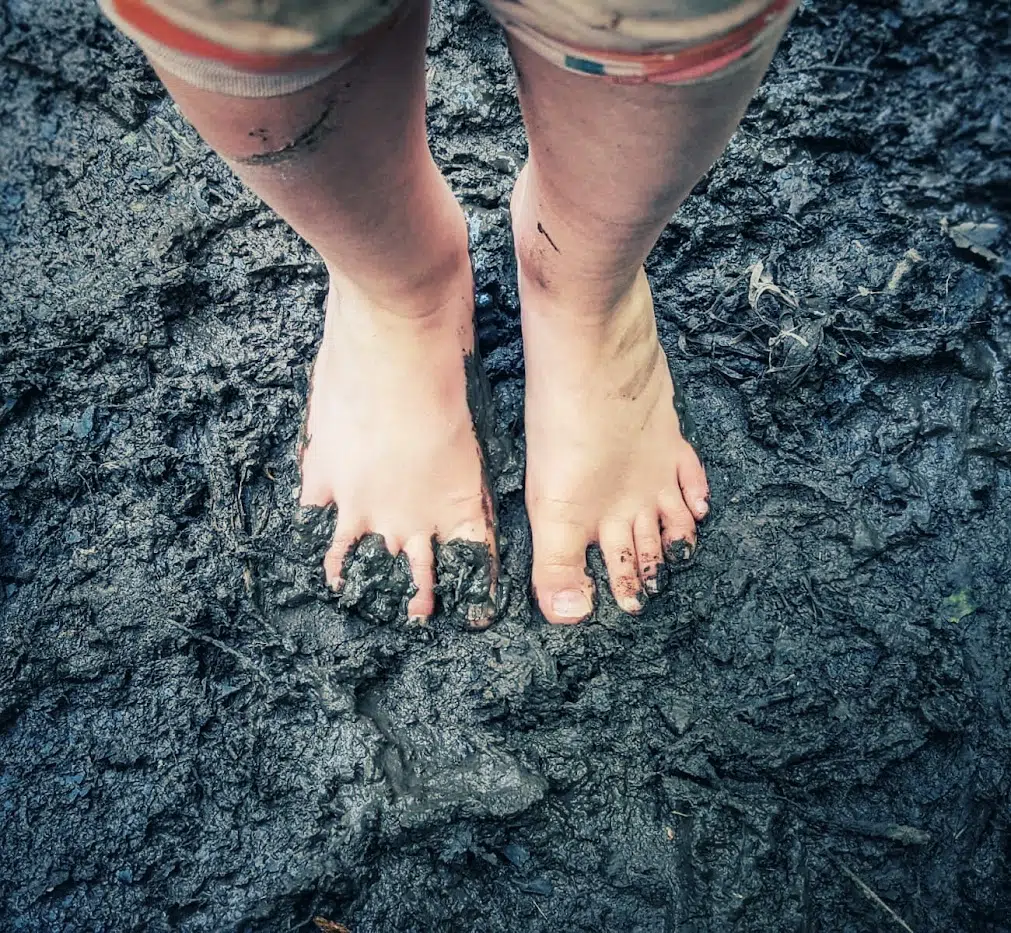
(195, 736)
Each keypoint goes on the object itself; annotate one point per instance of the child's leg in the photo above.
(346, 162)
(606, 462)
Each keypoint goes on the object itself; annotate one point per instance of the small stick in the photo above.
(871, 896)
(845, 69)
(221, 646)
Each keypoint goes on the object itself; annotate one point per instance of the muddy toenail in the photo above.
(417, 620)
(651, 586)
(479, 615)
(630, 604)
(571, 604)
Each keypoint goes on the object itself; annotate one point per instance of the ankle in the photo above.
(425, 293)
(436, 277)
(592, 297)
(561, 269)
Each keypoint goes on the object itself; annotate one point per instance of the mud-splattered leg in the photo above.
(606, 460)
(346, 162)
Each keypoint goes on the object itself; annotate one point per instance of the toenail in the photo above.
(651, 586)
(418, 620)
(701, 507)
(479, 615)
(630, 604)
(571, 604)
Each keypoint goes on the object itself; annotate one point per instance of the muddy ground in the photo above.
(194, 737)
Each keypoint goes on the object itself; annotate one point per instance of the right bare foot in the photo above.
(607, 463)
(389, 434)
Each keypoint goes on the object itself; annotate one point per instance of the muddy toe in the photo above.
(617, 546)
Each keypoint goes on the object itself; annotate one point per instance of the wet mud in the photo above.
(809, 728)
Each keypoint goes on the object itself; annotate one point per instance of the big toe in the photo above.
(562, 586)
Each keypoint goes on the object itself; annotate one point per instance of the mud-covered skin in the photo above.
(195, 736)
(468, 584)
(495, 448)
(377, 586)
(464, 583)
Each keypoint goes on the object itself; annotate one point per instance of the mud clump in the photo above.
(464, 582)
(376, 584)
(810, 723)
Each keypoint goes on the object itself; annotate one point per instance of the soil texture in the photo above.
(809, 731)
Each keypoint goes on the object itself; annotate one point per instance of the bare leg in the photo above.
(346, 163)
(606, 461)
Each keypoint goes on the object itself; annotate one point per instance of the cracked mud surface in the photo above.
(196, 736)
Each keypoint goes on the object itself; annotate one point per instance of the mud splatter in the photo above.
(307, 139)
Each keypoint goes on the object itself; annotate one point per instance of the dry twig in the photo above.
(867, 892)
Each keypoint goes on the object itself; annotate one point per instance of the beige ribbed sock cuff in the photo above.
(220, 78)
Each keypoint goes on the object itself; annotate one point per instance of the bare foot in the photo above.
(606, 461)
(389, 436)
